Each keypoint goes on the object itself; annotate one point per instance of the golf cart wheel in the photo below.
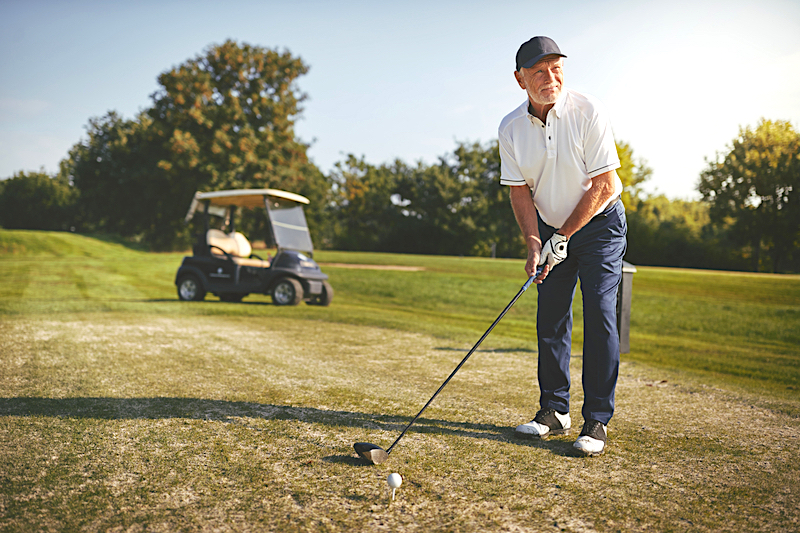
(232, 296)
(287, 291)
(325, 298)
(190, 289)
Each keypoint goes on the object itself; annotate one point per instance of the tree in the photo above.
(439, 204)
(754, 189)
(35, 200)
(633, 173)
(432, 209)
(678, 233)
(364, 217)
(497, 230)
(458, 206)
(455, 206)
(227, 116)
(225, 120)
(221, 120)
(115, 169)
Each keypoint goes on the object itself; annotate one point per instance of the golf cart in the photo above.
(222, 262)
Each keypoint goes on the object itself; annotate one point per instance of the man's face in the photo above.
(543, 81)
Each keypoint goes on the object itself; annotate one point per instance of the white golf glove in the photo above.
(554, 251)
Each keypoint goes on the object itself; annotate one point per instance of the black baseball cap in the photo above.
(534, 50)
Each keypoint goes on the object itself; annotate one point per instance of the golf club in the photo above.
(377, 455)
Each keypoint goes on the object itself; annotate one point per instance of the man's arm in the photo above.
(555, 250)
(525, 213)
(601, 191)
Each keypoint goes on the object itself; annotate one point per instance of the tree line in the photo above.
(225, 119)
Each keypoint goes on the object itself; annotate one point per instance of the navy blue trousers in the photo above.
(594, 254)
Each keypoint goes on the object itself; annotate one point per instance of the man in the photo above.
(559, 159)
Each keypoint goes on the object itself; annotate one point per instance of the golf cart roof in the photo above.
(287, 221)
(240, 198)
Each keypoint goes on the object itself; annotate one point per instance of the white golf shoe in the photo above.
(592, 440)
(546, 422)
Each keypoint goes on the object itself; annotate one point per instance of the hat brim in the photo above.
(532, 61)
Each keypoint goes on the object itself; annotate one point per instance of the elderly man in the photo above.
(559, 159)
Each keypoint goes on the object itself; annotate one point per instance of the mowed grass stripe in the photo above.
(681, 314)
(695, 320)
(745, 364)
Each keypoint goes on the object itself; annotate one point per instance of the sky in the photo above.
(410, 79)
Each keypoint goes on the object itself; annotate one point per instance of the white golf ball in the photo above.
(395, 480)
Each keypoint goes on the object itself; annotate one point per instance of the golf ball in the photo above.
(395, 480)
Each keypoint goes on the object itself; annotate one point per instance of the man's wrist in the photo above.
(534, 243)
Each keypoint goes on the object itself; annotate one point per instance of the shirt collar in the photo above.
(558, 106)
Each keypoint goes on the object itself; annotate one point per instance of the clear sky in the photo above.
(408, 79)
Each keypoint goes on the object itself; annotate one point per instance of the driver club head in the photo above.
(372, 453)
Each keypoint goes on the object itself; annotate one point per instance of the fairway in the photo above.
(123, 409)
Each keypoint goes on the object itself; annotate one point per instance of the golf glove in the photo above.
(554, 251)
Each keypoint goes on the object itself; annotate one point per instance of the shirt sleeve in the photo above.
(510, 173)
(599, 150)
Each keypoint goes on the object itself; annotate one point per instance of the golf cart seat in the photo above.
(236, 246)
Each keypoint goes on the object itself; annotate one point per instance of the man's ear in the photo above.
(520, 80)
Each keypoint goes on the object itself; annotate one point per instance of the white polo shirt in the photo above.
(558, 160)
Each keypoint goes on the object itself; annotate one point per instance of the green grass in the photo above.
(125, 409)
(730, 329)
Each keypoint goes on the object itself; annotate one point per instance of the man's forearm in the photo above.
(601, 191)
(525, 213)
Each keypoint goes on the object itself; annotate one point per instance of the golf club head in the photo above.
(372, 453)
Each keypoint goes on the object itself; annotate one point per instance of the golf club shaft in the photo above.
(523, 289)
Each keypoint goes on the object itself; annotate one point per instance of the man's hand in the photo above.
(525, 213)
(531, 265)
(533, 261)
(554, 251)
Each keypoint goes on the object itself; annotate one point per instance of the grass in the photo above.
(123, 409)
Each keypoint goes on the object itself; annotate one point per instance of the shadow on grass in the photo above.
(488, 350)
(349, 460)
(209, 300)
(232, 412)
(562, 446)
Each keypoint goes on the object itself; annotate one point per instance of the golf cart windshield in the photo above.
(284, 210)
(288, 223)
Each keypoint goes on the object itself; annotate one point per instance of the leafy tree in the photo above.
(364, 217)
(227, 116)
(439, 209)
(122, 190)
(35, 200)
(633, 173)
(224, 119)
(458, 206)
(455, 206)
(497, 230)
(664, 232)
(755, 189)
